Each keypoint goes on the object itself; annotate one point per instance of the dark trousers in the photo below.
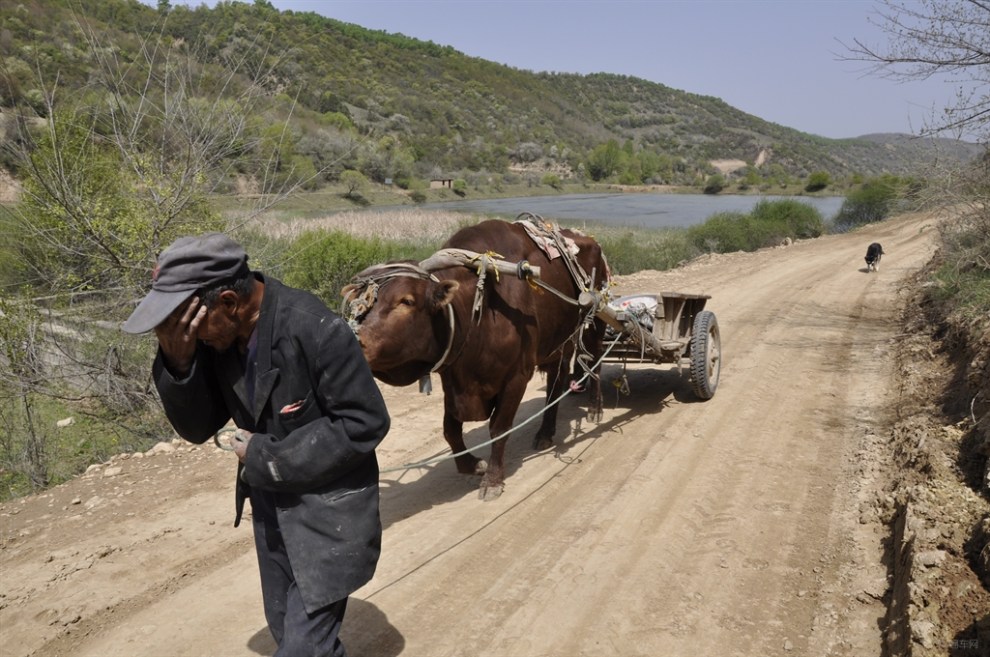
(297, 633)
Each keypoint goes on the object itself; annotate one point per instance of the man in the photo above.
(236, 344)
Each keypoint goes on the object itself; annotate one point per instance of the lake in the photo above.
(640, 210)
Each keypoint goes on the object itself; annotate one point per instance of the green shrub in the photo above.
(552, 180)
(324, 261)
(790, 217)
(631, 251)
(459, 186)
(355, 183)
(872, 202)
(768, 224)
(818, 181)
(723, 232)
(714, 184)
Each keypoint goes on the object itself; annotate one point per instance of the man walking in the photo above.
(235, 344)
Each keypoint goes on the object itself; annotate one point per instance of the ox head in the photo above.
(399, 312)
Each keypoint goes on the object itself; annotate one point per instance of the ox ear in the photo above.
(443, 293)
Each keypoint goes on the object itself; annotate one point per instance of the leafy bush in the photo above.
(962, 288)
(459, 186)
(872, 202)
(88, 220)
(768, 224)
(723, 232)
(552, 180)
(355, 183)
(790, 218)
(604, 160)
(714, 184)
(631, 251)
(818, 181)
(324, 261)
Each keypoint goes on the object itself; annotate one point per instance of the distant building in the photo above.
(439, 183)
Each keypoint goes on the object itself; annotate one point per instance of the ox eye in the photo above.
(407, 301)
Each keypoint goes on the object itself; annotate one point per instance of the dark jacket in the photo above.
(318, 459)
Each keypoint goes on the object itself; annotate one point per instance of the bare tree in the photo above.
(112, 173)
(927, 38)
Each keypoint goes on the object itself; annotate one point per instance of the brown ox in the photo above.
(485, 362)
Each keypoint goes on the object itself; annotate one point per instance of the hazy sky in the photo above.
(776, 59)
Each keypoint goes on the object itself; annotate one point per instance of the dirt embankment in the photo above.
(824, 502)
(937, 474)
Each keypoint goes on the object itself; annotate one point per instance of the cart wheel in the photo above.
(706, 355)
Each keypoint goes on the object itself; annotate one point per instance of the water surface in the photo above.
(640, 210)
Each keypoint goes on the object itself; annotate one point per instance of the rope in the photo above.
(450, 340)
(447, 457)
(363, 294)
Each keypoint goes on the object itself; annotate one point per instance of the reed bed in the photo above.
(413, 225)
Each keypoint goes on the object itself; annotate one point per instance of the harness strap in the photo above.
(450, 340)
(365, 294)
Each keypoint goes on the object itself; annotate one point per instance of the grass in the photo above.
(963, 275)
(630, 250)
(49, 454)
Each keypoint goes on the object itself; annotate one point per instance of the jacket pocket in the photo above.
(295, 409)
(295, 414)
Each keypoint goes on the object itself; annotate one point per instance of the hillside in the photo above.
(395, 107)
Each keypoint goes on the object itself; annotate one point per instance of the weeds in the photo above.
(631, 250)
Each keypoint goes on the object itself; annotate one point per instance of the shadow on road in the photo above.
(366, 632)
(644, 391)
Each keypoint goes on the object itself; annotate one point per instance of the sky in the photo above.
(780, 60)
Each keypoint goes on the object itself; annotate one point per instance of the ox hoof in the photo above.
(471, 465)
(541, 443)
(487, 493)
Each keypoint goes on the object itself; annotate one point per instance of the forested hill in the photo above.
(392, 106)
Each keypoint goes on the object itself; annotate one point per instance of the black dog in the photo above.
(873, 253)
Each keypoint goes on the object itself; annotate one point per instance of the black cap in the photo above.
(187, 265)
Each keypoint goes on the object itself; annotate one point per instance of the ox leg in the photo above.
(548, 426)
(453, 433)
(493, 483)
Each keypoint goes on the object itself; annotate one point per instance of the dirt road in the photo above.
(674, 527)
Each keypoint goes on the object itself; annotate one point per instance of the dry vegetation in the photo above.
(412, 225)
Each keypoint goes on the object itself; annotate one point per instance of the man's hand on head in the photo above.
(177, 335)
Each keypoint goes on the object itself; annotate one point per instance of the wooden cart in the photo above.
(669, 327)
